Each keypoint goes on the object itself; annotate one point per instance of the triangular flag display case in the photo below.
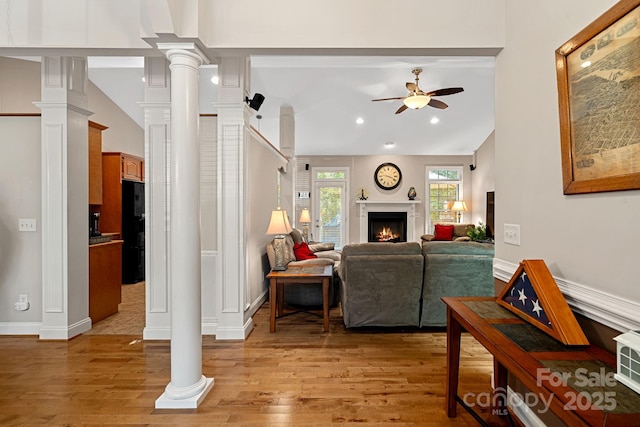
(533, 294)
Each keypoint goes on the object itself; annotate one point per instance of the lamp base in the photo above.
(305, 232)
(279, 248)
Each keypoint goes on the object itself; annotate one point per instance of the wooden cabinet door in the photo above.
(95, 163)
(132, 168)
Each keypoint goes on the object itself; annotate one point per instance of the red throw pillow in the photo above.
(443, 232)
(302, 251)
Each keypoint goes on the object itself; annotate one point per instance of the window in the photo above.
(444, 186)
(329, 205)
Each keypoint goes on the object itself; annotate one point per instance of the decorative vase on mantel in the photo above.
(412, 193)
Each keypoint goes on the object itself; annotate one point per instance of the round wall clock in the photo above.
(387, 176)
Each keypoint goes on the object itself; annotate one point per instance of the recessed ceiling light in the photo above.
(434, 120)
(585, 64)
(359, 120)
(389, 144)
(143, 79)
(214, 80)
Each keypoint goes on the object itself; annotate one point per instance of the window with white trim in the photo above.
(444, 186)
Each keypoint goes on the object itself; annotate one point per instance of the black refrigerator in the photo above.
(132, 231)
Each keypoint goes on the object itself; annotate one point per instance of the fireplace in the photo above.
(409, 209)
(387, 226)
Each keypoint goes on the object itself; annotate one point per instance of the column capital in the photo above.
(184, 49)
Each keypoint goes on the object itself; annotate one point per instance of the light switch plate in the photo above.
(512, 234)
(26, 224)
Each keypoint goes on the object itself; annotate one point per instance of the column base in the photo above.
(166, 402)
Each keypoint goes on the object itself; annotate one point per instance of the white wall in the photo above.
(255, 24)
(124, 134)
(20, 252)
(355, 24)
(263, 162)
(483, 179)
(590, 239)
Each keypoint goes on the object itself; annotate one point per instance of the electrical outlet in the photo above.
(26, 224)
(512, 234)
(22, 304)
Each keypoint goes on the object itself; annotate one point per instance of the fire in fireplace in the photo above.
(387, 226)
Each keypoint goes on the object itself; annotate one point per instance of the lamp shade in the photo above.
(279, 223)
(304, 216)
(459, 205)
(416, 101)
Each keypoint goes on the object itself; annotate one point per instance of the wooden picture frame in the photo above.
(598, 100)
(533, 295)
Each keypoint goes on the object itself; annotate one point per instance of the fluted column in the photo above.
(188, 386)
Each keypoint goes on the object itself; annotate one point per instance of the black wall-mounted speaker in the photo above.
(256, 102)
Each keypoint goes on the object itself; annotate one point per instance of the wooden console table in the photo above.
(309, 274)
(576, 380)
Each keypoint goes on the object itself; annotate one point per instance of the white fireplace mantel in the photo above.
(408, 206)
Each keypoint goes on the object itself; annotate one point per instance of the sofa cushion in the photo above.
(321, 246)
(289, 255)
(458, 248)
(334, 255)
(443, 232)
(296, 235)
(302, 251)
(460, 230)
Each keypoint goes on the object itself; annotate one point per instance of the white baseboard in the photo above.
(602, 307)
(20, 328)
(226, 333)
(156, 333)
(209, 325)
(521, 410)
(65, 333)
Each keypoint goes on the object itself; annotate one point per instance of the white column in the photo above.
(233, 119)
(188, 386)
(65, 201)
(157, 149)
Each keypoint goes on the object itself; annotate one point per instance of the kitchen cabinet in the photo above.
(122, 210)
(116, 167)
(95, 162)
(105, 287)
(132, 167)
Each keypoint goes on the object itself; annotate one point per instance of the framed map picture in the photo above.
(598, 73)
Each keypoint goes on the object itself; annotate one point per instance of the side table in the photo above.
(321, 274)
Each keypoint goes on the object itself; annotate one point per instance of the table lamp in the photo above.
(279, 225)
(305, 219)
(459, 206)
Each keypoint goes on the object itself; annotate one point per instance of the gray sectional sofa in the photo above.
(454, 269)
(400, 284)
(381, 284)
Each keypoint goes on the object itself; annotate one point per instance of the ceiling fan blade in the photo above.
(447, 91)
(437, 104)
(412, 87)
(401, 109)
(388, 99)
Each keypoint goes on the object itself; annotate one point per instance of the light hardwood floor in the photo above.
(298, 376)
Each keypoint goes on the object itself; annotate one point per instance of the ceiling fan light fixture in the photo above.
(416, 101)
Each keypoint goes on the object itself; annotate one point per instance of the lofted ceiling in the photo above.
(329, 93)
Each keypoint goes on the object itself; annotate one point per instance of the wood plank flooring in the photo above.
(298, 376)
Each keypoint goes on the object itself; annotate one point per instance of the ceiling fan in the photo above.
(418, 99)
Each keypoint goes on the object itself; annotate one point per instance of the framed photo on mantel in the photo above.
(598, 73)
